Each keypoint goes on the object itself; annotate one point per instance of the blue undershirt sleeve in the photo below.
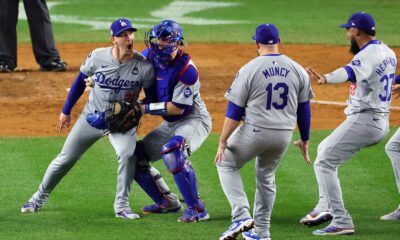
(303, 120)
(350, 74)
(397, 80)
(234, 111)
(76, 91)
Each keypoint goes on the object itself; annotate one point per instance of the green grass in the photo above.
(299, 21)
(81, 207)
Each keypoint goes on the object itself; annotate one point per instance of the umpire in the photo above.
(41, 35)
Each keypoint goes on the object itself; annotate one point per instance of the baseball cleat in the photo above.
(236, 228)
(30, 207)
(155, 208)
(251, 235)
(333, 231)
(189, 215)
(315, 218)
(127, 214)
(203, 215)
(395, 215)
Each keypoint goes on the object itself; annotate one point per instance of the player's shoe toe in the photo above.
(236, 228)
(189, 215)
(203, 215)
(30, 207)
(127, 214)
(315, 218)
(251, 235)
(331, 230)
(395, 215)
(155, 208)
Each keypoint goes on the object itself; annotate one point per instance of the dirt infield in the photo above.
(30, 100)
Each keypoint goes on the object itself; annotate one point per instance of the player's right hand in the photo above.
(220, 153)
(314, 75)
(303, 145)
(64, 121)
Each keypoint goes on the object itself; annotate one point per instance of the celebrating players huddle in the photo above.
(269, 95)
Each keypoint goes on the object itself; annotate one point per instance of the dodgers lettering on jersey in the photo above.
(179, 82)
(374, 67)
(270, 87)
(115, 81)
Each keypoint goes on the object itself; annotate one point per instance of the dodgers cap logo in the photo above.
(120, 25)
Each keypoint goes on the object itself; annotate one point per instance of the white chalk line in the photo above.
(343, 104)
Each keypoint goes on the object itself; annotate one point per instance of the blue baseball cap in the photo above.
(266, 34)
(360, 20)
(120, 25)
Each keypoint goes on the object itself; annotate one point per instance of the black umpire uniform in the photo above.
(41, 32)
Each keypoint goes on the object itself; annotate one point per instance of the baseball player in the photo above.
(269, 93)
(393, 151)
(371, 74)
(120, 73)
(186, 125)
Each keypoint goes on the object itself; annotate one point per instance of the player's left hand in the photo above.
(303, 145)
(320, 78)
(396, 90)
(89, 82)
(220, 152)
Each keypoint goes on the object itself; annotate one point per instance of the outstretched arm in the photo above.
(76, 91)
(340, 75)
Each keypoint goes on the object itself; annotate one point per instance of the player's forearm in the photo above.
(340, 75)
(76, 91)
(229, 126)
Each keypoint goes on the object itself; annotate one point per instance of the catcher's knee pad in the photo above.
(174, 156)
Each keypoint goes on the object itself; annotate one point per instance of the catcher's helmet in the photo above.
(164, 38)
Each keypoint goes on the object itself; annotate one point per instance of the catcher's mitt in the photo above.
(122, 116)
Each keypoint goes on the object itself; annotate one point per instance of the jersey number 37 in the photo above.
(387, 87)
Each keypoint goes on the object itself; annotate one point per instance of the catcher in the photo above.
(120, 73)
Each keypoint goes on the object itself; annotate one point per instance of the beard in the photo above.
(354, 48)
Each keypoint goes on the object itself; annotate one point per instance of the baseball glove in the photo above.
(122, 116)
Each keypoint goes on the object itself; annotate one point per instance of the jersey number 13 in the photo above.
(280, 89)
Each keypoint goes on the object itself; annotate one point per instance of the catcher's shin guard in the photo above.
(149, 178)
(173, 154)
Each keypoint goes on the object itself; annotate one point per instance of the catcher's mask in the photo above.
(163, 39)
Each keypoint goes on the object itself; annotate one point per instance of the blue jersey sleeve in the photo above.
(76, 91)
(397, 80)
(234, 111)
(350, 74)
(303, 120)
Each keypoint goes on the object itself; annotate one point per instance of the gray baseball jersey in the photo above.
(114, 81)
(374, 68)
(269, 88)
(367, 123)
(194, 124)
